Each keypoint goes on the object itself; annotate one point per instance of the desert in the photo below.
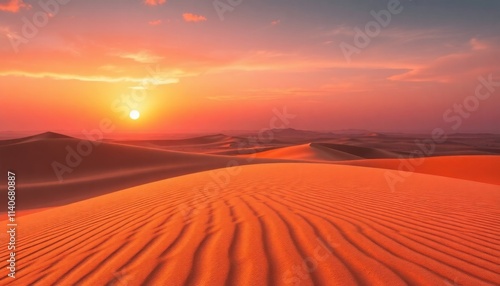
(293, 215)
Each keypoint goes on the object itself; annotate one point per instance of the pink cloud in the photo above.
(482, 58)
(155, 22)
(477, 44)
(154, 2)
(13, 6)
(189, 17)
(275, 22)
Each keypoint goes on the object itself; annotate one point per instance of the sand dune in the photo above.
(111, 167)
(474, 168)
(307, 152)
(363, 152)
(203, 144)
(325, 152)
(37, 137)
(480, 168)
(106, 168)
(272, 224)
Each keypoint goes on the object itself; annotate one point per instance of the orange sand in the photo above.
(309, 218)
(475, 168)
(272, 224)
(109, 167)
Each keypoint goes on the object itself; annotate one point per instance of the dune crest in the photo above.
(37, 137)
(326, 152)
(306, 152)
(474, 168)
(107, 167)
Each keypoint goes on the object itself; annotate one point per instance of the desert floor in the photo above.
(304, 209)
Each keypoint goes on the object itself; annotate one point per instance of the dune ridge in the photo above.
(325, 152)
(306, 152)
(480, 168)
(342, 220)
(108, 167)
(36, 137)
(211, 144)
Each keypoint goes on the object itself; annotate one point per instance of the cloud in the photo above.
(392, 34)
(242, 97)
(482, 58)
(477, 44)
(340, 30)
(189, 17)
(155, 22)
(143, 57)
(13, 6)
(275, 22)
(156, 80)
(111, 68)
(154, 2)
(290, 92)
(6, 32)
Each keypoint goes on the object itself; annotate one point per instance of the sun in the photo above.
(134, 114)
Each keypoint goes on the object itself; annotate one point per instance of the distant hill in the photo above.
(41, 136)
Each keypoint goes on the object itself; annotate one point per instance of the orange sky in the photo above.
(203, 70)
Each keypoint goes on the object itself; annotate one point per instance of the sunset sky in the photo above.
(208, 70)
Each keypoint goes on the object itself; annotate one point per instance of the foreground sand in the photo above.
(271, 224)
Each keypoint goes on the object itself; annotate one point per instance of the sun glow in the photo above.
(134, 114)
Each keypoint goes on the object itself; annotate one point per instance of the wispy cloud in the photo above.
(144, 57)
(477, 44)
(154, 2)
(243, 97)
(482, 57)
(155, 22)
(190, 17)
(393, 34)
(111, 68)
(13, 6)
(6, 32)
(91, 78)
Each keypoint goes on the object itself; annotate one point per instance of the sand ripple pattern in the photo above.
(272, 224)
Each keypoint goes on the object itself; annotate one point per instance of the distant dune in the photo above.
(362, 152)
(37, 137)
(325, 152)
(202, 143)
(307, 152)
(111, 166)
(218, 144)
(108, 167)
(273, 224)
(482, 168)
(475, 168)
